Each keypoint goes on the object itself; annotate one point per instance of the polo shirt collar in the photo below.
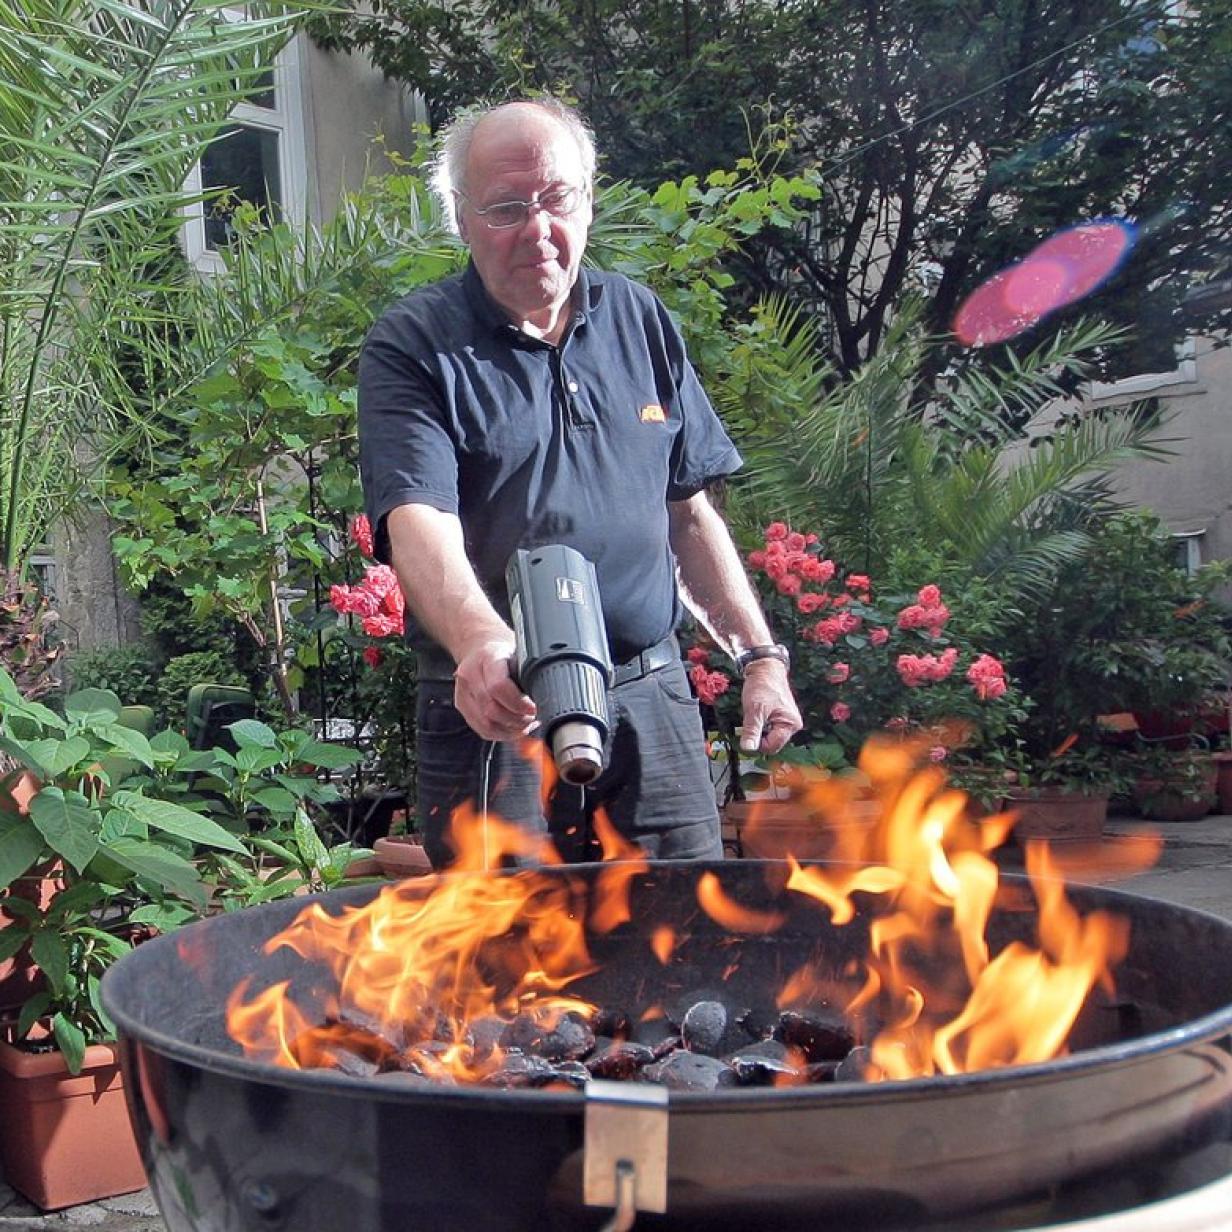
(588, 293)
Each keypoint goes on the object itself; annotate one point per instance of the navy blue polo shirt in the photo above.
(529, 443)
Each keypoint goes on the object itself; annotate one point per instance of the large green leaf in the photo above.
(92, 705)
(48, 950)
(132, 742)
(253, 759)
(68, 823)
(61, 755)
(71, 1040)
(328, 756)
(159, 865)
(253, 732)
(177, 820)
(20, 847)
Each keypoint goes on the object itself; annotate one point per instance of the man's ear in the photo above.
(461, 221)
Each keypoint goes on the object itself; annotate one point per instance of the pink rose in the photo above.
(839, 672)
(879, 636)
(361, 535)
(840, 712)
(776, 530)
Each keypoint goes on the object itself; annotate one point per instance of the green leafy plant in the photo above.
(131, 834)
(116, 858)
(127, 671)
(1124, 630)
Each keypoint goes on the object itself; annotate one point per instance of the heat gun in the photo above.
(562, 661)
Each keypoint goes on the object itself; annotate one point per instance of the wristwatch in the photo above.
(775, 650)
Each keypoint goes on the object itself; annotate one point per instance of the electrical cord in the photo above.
(485, 772)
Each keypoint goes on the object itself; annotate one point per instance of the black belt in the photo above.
(661, 654)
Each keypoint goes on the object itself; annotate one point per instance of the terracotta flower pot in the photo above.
(402, 855)
(65, 1138)
(1057, 816)
(1161, 800)
(775, 829)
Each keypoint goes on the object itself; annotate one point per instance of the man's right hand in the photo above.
(486, 695)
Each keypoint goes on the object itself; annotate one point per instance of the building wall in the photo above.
(347, 105)
(1192, 491)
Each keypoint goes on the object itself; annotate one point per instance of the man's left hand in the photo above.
(771, 716)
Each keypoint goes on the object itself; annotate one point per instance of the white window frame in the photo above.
(1142, 383)
(286, 119)
(1191, 541)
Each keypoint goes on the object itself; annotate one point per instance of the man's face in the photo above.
(521, 153)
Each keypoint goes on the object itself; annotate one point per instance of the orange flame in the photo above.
(419, 968)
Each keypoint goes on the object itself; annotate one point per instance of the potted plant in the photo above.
(79, 865)
(1121, 630)
(1064, 796)
(87, 866)
(1171, 785)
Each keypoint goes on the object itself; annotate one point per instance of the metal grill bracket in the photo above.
(625, 1164)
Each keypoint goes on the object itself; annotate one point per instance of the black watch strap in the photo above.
(775, 650)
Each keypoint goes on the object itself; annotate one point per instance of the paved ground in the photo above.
(1194, 869)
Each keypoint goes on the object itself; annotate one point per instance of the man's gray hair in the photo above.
(454, 147)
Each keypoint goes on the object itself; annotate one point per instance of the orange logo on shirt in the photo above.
(653, 413)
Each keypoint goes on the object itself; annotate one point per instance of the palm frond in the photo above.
(105, 105)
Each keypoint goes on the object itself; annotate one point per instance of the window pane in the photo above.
(245, 161)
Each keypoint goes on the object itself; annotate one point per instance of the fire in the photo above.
(434, 972)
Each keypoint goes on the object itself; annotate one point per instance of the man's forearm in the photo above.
(713, 583)
(438, 582)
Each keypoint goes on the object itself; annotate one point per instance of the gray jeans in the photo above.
(655, 787)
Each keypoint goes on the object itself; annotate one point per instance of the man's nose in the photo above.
(538, 220)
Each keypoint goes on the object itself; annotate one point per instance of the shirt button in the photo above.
(573, 387)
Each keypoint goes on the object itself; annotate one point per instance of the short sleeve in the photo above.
(407, 448)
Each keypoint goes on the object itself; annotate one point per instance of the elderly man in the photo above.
(526, 402)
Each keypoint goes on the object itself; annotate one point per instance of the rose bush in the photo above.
(863, 661)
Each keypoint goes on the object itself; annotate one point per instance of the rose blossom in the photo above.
(361, 535)
(986, 675)
(788, 585)
(840, 712)
(879, 636)
(372, 656)
(839, 672)
(697, 655)
(776, 530)
(709, 685)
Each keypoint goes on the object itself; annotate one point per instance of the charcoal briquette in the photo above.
(703, 1027)
(613, 1023)
(619, 1061)
(519, 1070)
(690, 1071)
(857, 1066)
(818, 1038)
(757, 1070)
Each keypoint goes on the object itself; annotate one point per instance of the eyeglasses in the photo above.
(559, 202)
